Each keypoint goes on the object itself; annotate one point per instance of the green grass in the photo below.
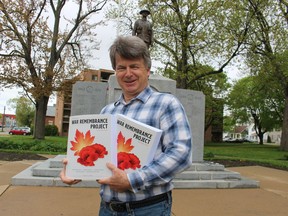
(267, 155)
(26, 144)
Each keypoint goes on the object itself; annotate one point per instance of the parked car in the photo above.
(27, 129)
(20, 131)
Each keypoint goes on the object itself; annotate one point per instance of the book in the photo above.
(94, 140)
(136, 143)
(90, 146)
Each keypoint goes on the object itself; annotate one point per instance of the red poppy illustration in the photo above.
(87, 151)
(126, 160)
(91, 153)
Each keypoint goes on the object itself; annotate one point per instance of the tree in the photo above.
(190, 35)
(187, 38)
(44, 43)
(197, 33)
(228, 123)
(25, 110)
(250, 100)
(267, 45)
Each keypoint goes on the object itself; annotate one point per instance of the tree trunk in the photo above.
(284, 135)
(261, 135)
(41, 108)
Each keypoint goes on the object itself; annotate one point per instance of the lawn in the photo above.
(267, 155)
(26, 144)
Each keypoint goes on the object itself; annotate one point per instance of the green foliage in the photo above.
(51, 130)
(24, 110)
(50, 145)
(249, 98)
(228, 124)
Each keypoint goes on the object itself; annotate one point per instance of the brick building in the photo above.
(63, 101)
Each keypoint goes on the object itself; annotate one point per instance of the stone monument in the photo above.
(90, 97)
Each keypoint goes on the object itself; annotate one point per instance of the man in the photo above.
(148, 189)
(143, 28)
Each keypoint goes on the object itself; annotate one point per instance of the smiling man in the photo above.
(148, 189)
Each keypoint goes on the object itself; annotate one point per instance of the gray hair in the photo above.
(129, 47)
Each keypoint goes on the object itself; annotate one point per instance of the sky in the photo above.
(106, 35)
(100, 60)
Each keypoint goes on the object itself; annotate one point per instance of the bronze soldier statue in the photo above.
(143, 28)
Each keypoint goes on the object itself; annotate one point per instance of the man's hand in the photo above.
(64, 177)
(118, 181)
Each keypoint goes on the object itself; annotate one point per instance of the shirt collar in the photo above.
(143, 96)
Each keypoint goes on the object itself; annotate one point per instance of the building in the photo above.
(50, 115)
(214, 121)
(63, 101)
(8, 120)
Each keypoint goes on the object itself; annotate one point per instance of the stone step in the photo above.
(56, 162)
(25, 178)
(206, 166)
(199, 175)
(44, 170)
(215, 184)
(208, 175)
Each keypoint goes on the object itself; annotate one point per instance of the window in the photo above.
(94, 77)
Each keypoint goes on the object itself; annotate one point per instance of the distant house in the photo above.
(239, 132)
(249, 133)
(50, 115)
(275, 136)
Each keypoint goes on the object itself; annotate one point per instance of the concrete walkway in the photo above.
(271, 199)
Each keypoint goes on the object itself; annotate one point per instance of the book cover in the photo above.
(90, 146)
(136, 143)
(94, 140)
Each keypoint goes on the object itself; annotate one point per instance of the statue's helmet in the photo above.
(145, 11)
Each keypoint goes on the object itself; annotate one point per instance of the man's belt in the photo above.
(122, 207)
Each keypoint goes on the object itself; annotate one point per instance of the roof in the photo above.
(240, 129)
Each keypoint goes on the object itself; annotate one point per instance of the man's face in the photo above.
(132, 76)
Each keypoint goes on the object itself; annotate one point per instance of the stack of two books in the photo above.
(94, 140)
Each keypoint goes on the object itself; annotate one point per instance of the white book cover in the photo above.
(136, 143)
(90, 146)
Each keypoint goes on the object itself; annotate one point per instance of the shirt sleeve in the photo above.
(174, 154)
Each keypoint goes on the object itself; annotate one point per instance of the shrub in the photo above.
(209, 155)
(49, 147)
(51, 130)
